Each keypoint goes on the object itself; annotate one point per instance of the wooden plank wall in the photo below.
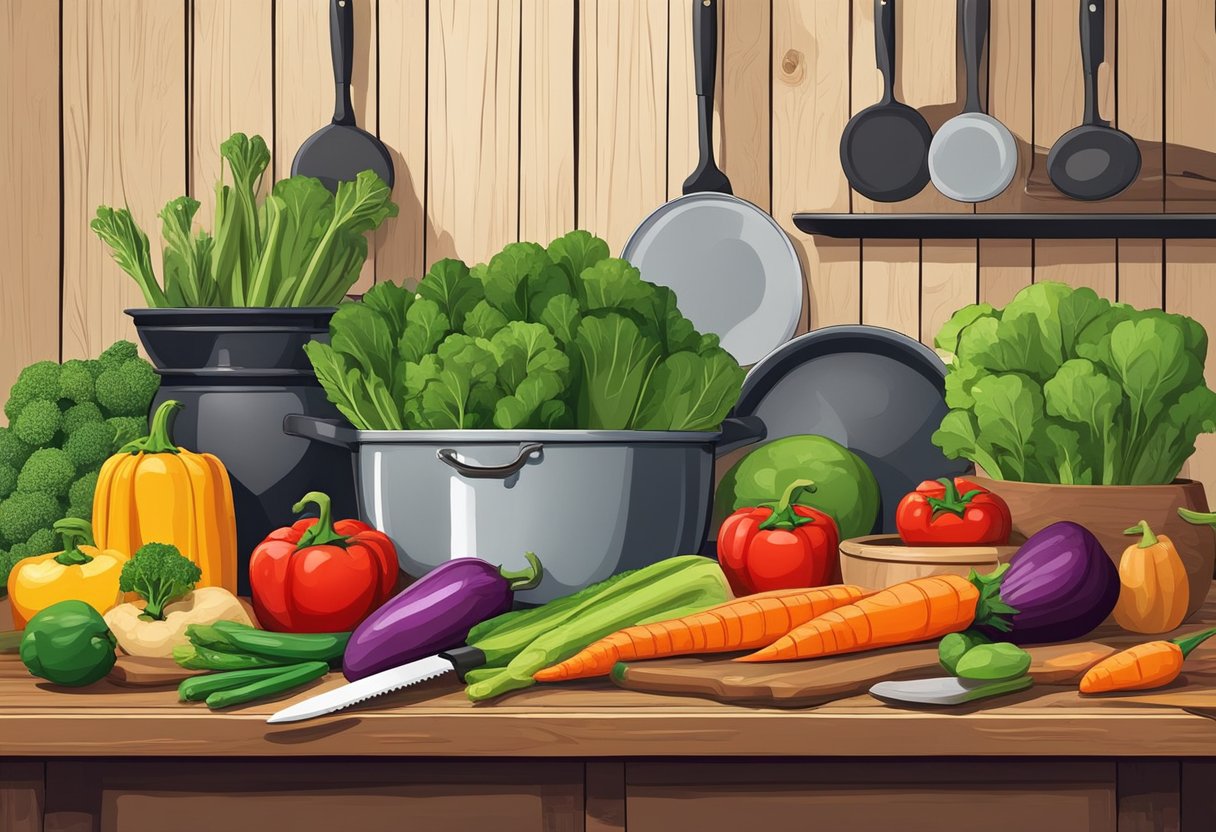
(519, 119)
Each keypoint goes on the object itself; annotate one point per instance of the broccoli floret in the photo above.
(76, 382)
(127, 390)
(37, 382)
(42, 541)
(49, 470)
(38, 423)
(80, 494)
(117, 354)
(160, 574)
(8, 480)
(13, 451)
(127, 429)
(25, 512)
(89, 445)
(84, 413)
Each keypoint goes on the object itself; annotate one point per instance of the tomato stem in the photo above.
(322, 533)
(784, 517)
(952, 502)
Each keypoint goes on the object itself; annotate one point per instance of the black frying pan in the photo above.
(1093, 161)
(885, 148)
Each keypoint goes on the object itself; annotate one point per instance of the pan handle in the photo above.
(319, 430)
(1093, 53)
(884, 46)
(342, 48)
(474, 471)
(739, 431)
(974, 15)
(707, 177)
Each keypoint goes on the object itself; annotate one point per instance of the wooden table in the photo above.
(591, 757)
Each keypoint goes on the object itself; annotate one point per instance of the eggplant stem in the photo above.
(525, 578)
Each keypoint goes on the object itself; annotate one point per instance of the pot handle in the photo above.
(489, 472)
(738, 431)
(320, 430)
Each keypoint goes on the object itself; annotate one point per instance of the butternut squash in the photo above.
(1154, 588)
(152, 491)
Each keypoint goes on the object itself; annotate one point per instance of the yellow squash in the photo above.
(152, 491)
(81, 572)
(1154, 589)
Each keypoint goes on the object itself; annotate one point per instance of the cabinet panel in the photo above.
(1045, 797)
(20, 796)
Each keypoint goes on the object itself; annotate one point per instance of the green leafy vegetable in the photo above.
(1064, 386)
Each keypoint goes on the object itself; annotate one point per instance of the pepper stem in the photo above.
(1147, 537)
(321, 533)
(160, 436)
(784, 517)
(76, 532)
(1197, 518)
(1189, 643)
(526, 578)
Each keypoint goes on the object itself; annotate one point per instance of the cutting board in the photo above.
(806, 683)
(139, 672)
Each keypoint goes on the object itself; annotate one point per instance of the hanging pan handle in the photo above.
(488, 472)
(884, 46)
(1093, 53)
(342, 48)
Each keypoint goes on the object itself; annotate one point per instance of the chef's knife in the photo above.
(948, 690)
(461, 660)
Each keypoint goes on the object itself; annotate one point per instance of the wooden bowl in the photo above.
(880, 560)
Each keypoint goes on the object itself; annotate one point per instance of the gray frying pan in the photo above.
(733, 269)
(1093, 161)
(884, 149)
(340, 150)
(973, 156)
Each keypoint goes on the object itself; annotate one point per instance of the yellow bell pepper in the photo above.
(81, 572)
(152, 491)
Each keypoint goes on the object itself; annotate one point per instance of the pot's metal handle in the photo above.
(320, 430)
(738, 431)
(489, 472)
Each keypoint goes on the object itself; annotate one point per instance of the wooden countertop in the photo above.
(590, 719)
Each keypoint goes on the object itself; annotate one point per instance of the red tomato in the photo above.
(779, 546)
(953, 513)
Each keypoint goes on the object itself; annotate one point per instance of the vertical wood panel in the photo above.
(124, 143)
(231, 88)
(29, 167)
(22, 783)
(546, 120)
(891, 296)
(402, 117)
(746, 80)
(810, 109)
(948, 281)
(304, 83)
(622, 170)
(682, 141)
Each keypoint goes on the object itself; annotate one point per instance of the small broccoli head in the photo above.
(76, 382)
(49, 470)
(127, 428)
(89, 445)
(127, 390)
(25, 512)
(84, 413)
(41, 542)
(38, 422)
(80, 496)
(117, 354)
(160, 574)
(8, 480)
(37, 382)
(13, 452)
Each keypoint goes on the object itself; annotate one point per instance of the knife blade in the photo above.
(460, 660)
(947, 690)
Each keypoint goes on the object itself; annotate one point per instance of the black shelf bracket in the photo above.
(1009, 226)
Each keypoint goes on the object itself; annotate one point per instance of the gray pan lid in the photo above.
(733, 269)
(876, 391)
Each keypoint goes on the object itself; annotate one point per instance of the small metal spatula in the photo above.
(947, 690)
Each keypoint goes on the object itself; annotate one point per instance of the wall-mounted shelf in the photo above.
(1009, 226)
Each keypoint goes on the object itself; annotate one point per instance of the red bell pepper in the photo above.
(954, 512)
(317, 576)
(779, 545)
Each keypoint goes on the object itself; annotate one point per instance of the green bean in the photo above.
(287, 679)
(193, 657)
(200, 687)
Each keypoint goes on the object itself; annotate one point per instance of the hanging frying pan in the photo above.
(733, 269)
(885, 148)
(973, 156)
(1093, 161)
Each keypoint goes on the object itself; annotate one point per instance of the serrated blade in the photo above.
(378, 684)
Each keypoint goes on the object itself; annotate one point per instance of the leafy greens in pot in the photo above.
(302, 246)
(1063, 386)
(542, 338)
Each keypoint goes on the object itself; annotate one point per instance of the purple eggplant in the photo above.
(1059, 586)
(434, 614)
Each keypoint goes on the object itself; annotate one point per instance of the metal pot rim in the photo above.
(549, 437)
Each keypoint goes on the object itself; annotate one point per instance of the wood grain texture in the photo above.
(124, 143)
(682, 139)
(810, 109)
(304, 84)
(948, 281)
(29, 167)
(622, 112)
(231, 88)
(1148, 795)
(21, 795)
(890, 294)
(546, 119)
(605, 796)
(400, 243)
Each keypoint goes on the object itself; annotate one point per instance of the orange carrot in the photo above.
(742, 624)
(917, 610)
(1143, 667)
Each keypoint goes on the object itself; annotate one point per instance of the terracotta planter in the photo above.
(1106, 510)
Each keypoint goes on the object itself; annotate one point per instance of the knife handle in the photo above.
(464, 659)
